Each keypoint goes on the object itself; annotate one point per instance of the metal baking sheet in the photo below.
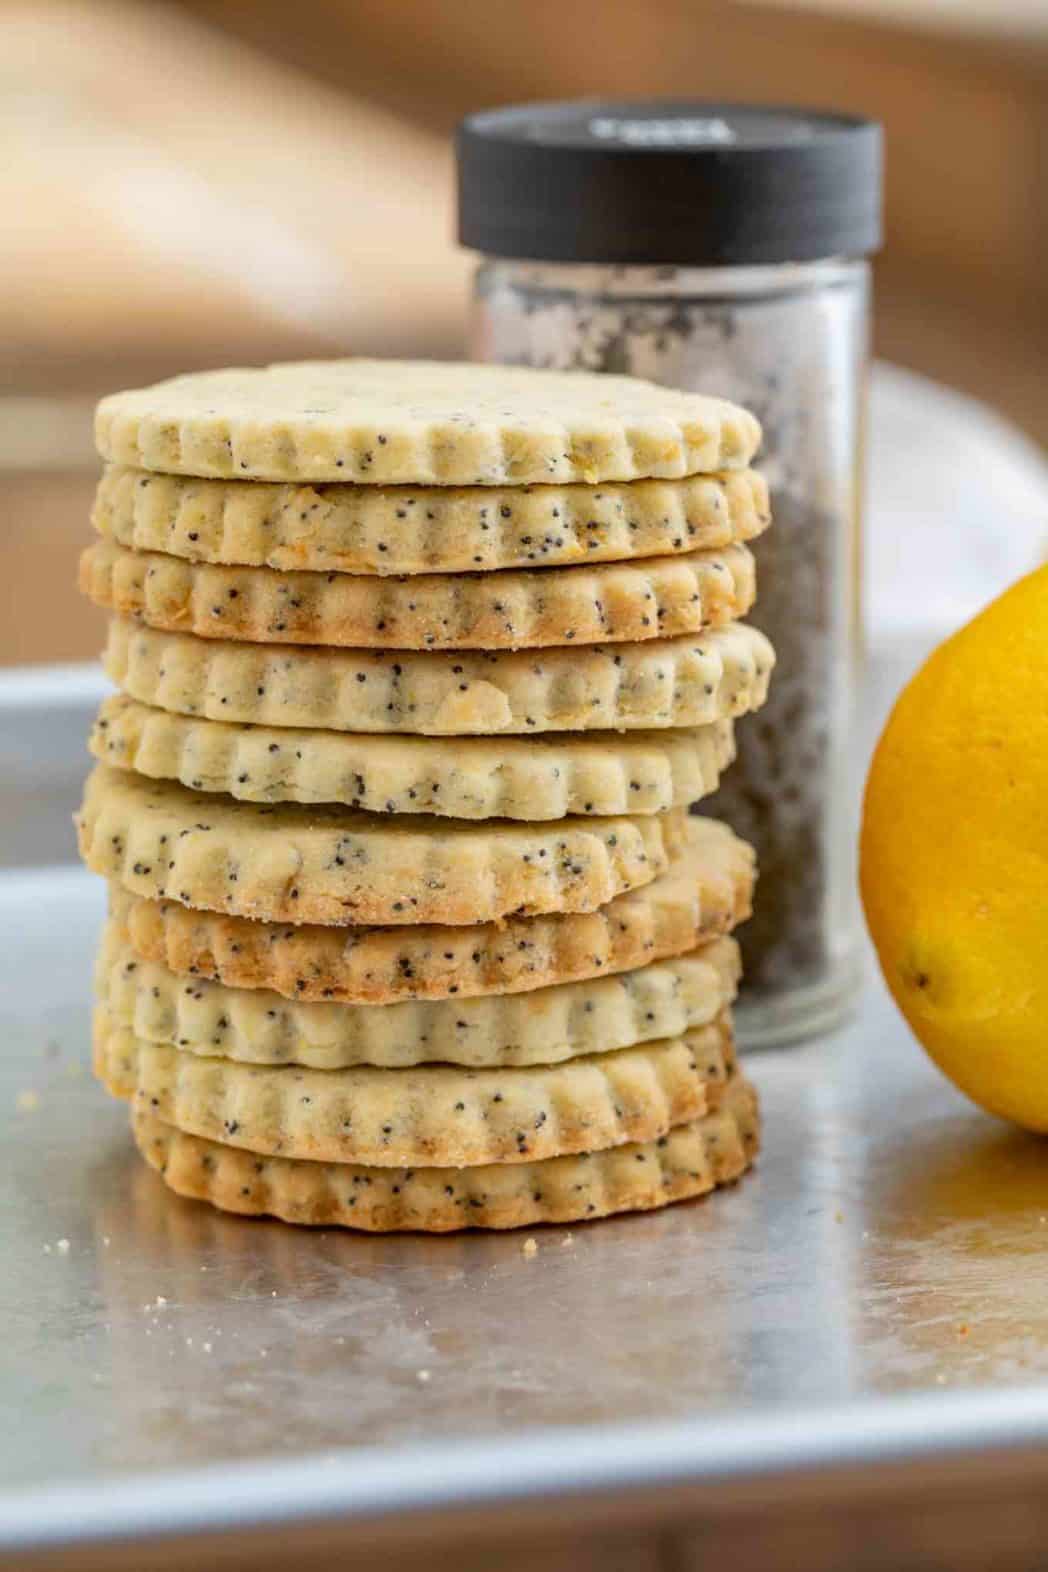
(870, 1306)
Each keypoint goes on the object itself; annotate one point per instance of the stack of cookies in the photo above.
(420, 669)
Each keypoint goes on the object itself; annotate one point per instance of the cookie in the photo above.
(705, 893)
(510, 778)
(548, 1026)
(438, 1115)
(388, 422)
(435, 529)
(688, 1161)
(607, 603)
(327, 864)
(690, 681)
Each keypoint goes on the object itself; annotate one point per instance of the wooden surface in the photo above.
(208, 183)
(963, 286)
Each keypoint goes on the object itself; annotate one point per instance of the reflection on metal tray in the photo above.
(866, 1317)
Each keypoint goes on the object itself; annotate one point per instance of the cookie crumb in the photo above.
(62, 1246)
(423, 1376)
(530, 1248)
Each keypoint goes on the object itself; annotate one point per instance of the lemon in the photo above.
(954, 855)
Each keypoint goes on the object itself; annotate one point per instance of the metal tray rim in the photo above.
(707, 1458)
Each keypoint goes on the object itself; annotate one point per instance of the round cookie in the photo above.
(690, 681)
(434, 529)
(325, 864)
(607, 603)
(474, 778)
(690, 1160)
(389, 422)
(567, 1021)
(438, 1115)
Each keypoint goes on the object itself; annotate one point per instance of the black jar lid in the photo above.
(668, 181)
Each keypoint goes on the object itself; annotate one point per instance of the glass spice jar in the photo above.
(722, 249)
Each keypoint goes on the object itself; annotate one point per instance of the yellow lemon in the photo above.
(954, 855)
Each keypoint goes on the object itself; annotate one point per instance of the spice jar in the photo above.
(722, 249)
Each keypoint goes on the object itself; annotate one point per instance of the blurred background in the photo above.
(230, 181)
